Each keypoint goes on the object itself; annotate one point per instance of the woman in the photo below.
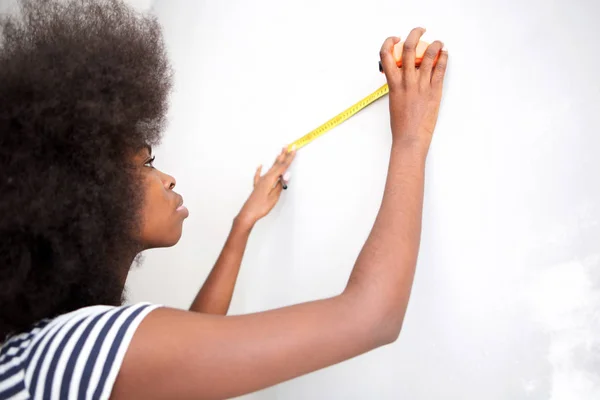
(84, 93)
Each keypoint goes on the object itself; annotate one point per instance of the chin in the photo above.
(165, 241)
(162, 244)
(172, 241)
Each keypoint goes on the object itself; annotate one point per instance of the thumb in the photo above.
(276, 191)
(257, 175)
(387, 65)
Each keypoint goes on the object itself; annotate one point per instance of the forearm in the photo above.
(215, 295)
(262, 349)
(383, 274)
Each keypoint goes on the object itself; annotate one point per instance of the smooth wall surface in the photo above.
(507, 293)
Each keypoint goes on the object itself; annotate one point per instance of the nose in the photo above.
(168, 181)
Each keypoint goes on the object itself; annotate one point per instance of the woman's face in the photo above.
(163, 212)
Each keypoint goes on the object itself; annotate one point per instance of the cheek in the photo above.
(153, 200)
(158, 207)
(161, 226)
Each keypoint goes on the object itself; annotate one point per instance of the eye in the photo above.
(150, 162)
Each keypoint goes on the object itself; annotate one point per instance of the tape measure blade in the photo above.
(338, 119)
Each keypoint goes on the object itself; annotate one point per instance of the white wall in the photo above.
(141, 5)
(507, 294)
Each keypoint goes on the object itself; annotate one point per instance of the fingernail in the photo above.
(293, 147)
(444, 48)
(286, 176)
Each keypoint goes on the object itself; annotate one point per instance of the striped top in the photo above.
(73, 356)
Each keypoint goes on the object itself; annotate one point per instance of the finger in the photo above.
(409, 51)
(276, 191)
(289, 157)
(281, 167)
(280, 157)
(429, 59)
(277, 163)
(291, 149)
(257, 175)
(439, 72)
(386, 54)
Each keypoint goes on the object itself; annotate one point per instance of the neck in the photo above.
(126, 267)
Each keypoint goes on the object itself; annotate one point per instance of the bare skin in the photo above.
(215, 295)
(195, 355)
(164, 214)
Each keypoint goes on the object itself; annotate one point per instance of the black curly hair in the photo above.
(83, 85)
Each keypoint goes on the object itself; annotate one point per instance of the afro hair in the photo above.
(83, 85)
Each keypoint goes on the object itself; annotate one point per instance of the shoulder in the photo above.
(75, 355)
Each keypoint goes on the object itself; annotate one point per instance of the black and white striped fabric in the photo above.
(73, 356)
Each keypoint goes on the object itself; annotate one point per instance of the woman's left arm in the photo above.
(215, 295)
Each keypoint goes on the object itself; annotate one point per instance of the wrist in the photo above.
(414, 144)
(244, 222)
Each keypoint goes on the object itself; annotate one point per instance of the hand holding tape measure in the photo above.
(399, 62)
(414, 70)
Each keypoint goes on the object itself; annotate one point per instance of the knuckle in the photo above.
(431, 53)
(385, 47)
(408, 46)
(394, 84)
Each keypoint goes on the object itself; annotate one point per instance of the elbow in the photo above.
(384, 322)
(388, 328)
(391, 334)
(382, 317)
(388, 320)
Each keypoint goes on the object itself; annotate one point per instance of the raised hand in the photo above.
(267, 188)
(415, 93)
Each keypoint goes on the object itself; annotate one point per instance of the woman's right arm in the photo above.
(187, 355)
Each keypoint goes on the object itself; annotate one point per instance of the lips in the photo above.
(181, 209)
(179, 201)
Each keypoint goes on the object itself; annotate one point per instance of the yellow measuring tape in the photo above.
(338, 119)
